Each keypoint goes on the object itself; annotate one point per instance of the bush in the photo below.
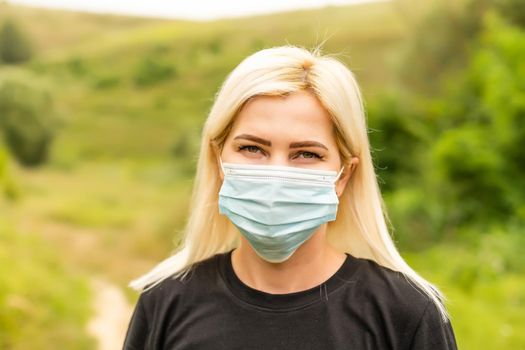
(440, 43)
(151, 71)
(27, 117)
(77, 66)
(106, 82)
(456, 158)
(396, 136)
(481, 158)
(14, 45)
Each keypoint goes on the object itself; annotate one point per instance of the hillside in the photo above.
(105, 68)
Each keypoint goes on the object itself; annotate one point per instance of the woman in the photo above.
(286, 246)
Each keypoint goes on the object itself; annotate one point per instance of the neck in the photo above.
(311, 264)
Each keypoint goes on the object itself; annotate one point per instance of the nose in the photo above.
(279, 158)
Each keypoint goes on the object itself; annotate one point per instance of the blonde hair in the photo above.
(360, 228)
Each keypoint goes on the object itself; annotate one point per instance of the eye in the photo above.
(308, 155)
(249, 148)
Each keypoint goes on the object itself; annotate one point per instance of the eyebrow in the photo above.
(254, 139)
(269, 143)
(307, 144)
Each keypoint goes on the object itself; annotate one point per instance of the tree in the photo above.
(482, 158)
(439, 42)
(27, 117)
(14, 45)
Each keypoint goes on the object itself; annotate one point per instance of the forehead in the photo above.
(296, 113)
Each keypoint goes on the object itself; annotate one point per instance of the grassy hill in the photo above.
(138, 85)
(53, 30)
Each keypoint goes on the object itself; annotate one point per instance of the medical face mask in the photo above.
(277, 208)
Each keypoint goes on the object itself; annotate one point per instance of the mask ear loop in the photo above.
(222, 167)
(340, 172)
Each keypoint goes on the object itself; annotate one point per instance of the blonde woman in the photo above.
(286, 246)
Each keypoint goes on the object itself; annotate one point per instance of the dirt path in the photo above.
(112, 310)
(112, 314)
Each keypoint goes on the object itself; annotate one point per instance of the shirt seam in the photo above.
(237, 298)
(144, 314)
(418, 324)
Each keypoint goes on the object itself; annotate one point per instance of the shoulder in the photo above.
(403, 306)
(390, 302)
(163, 303)
(201, 277)
(391, 293)
(408, 315)
(386, 283)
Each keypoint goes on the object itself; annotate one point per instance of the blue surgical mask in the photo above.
(277, 208)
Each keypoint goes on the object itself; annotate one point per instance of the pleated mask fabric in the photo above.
(277, 208)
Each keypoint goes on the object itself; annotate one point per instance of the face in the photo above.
(293, 131)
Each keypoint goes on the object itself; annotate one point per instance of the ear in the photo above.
(345, 176)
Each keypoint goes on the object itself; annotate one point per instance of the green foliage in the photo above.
(14, 45)
(185, 151)
(101, 213)
(106, 82)
(151, 70)
(471, 168)
(43, 302)
(395, 134)
(439, 43)
(483, 280)
(27, 117)
(76, 66)
(215, 45)
(8, 186)
(498, 77)
(513, 11)
(454, 157)
(481, 157)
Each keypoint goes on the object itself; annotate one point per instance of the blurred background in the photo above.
(100, 119)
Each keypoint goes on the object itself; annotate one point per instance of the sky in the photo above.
(192, 9)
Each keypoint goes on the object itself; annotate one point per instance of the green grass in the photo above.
(484, 282)
(106, 217)
(43, 301)
(53, 30)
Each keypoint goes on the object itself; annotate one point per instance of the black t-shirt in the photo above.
(362, 306)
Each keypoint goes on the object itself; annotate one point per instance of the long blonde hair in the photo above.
(360, 228)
